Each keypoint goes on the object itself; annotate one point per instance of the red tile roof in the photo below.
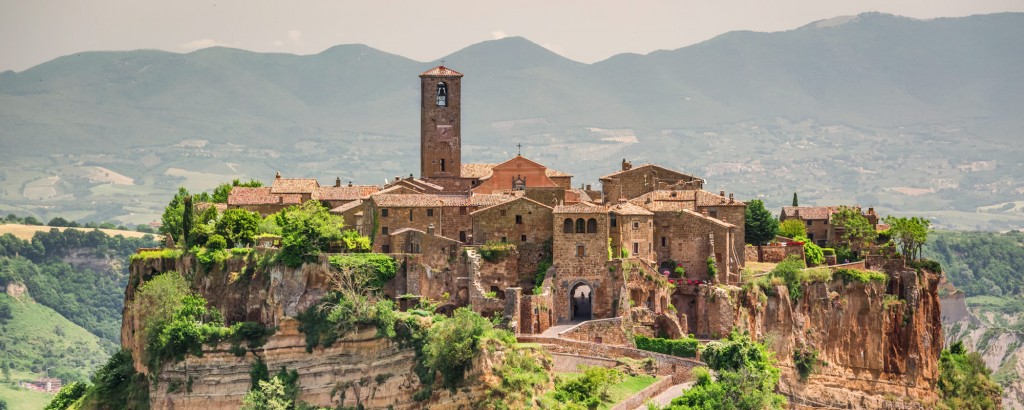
(441, 71)
(431, 200)
(484, 171)
(343, 208)
(260, 196)
(521, 198)
(626, 208)
(816, 213)
(649, 166)
(344, 193)
(294, 186)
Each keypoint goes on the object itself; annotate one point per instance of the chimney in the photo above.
(278, 176)
(588, 187)
(430, 229)
(721, 193)
(704, 211)
(397, 178)
(349, 183)
(337, 182)
(731, 200)
(871, 210)
(622, 199)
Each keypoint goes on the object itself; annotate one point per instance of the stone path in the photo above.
(553, 331)
(664, 398)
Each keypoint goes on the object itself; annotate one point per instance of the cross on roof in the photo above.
(520, 147)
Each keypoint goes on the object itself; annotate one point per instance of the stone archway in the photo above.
(581, 302)
(686, 304)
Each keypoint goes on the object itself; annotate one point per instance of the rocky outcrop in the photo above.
(877, 345)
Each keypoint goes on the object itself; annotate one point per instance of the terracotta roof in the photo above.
(638, 168)
(705, 198)
(809, 212)
(260, 196)
(432, 200)
(626, 208)
(344, 193)
(666, 201)
(294, 186)
(708, 219)
(441, 71)
(404, 230)
(484, 171)
(580, 208)
(201, 206)
(522, 198)
(584, 196)
(346, 207)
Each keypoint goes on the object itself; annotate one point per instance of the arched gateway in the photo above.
(581, 301)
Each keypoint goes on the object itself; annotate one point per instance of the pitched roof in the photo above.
(404, 230)
(648, 166)
(433, 200)
(260, 196)
(809, 212)
(666, 201)
(705, 198)
(346, 207)
(294, 186)
(708, 219)
(441, 71)
(626, 208)
(201, 206)
(580, 208)
(521, 198)
(344, 193)
(484, 171)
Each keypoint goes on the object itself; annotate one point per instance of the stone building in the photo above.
(818, 221)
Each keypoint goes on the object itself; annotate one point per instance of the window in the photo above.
(384, 230)
(613, 222)
(519, 219)
(442, 165)
(462, 210)
(522, 238)
(567, 226)
(383, 212)
(663, 242)
(442, 94)
(385, 248)
(580, 251)
(462, 236)
(410, 214)
(808, 223)
(636, 225)
(713, 213)
(519, 184)
(592, 225)
(581, 227)
(504, 239)
(430, 212)
(636, 248)
(502, 212)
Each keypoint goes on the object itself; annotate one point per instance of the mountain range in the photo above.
(825, 105)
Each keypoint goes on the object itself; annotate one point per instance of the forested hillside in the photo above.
(981, 263)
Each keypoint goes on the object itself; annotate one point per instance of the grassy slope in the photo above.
(18, 398)
(30, 340)
(629, 386)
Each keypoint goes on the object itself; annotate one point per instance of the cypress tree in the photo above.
(186, 222)
(795, 203)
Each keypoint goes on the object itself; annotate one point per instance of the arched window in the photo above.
(519, 184)
(567, 225)
(592, 225)
(442, 94)
(581, 227)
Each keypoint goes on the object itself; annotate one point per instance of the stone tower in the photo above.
(441, 123)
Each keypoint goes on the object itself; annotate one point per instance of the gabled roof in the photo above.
(260, 196)
(433, 200)
(294, 186)
(650, 167)
(675, 200)
(626, 208)
(347, 207)
(580, 208)
(522, 198)
(816, 213)
(708, 219)
(705, 198)
(484, 171)
(404, 230)
(441, 71)
(344, 193)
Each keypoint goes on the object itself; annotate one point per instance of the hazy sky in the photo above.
(35, 31)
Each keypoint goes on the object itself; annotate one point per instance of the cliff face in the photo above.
(358, 369)
(878, 345)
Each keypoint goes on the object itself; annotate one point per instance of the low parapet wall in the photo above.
(650, 391)
(678, 368)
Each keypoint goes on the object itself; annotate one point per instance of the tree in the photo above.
(792, 228)
(3, 404)
(171, 219)
(238, 226)
(307, 230)
(58, 221)
(67, 395)
(7, 371)
(187, 221)
(761, 225)
(221, 193)
(813, 255)
(855, 228)
(795, 202)
(909, 233)
(157, 300)
(354, 242)
(746, 378)
(965, 382)
(5, 310)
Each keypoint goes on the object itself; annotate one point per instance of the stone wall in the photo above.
(678, 368)
(771, 253)
(599, 331)
(519, 221)
(688, 241)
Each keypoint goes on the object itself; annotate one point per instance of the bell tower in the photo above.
(441, 123)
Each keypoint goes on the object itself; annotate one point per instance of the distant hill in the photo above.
(815, 109)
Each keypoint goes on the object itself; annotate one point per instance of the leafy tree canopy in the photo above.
(307, 230)
(761, 225)
(221, 192)
(792, 228)
(855, 227)
(909, 233)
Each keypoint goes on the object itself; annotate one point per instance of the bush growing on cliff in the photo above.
(965, 382)
(746, 378)
(369, 271)
(789, 271)
(67, 395)
(493, 251)
(306, 230)
(862, 276)
(116, 385)
(452, 344)
(684, 347)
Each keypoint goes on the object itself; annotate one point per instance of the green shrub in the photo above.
(805, 360)
(68, 394)
(746, 378)
(965, 382)
(712, 267)
(854, 275)
(370, 271)
(929, 265)
(684, 347)
(495, 251)
(216, 243)
(590, 389)
(452, 344)
(789, 270)
(812, 253)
